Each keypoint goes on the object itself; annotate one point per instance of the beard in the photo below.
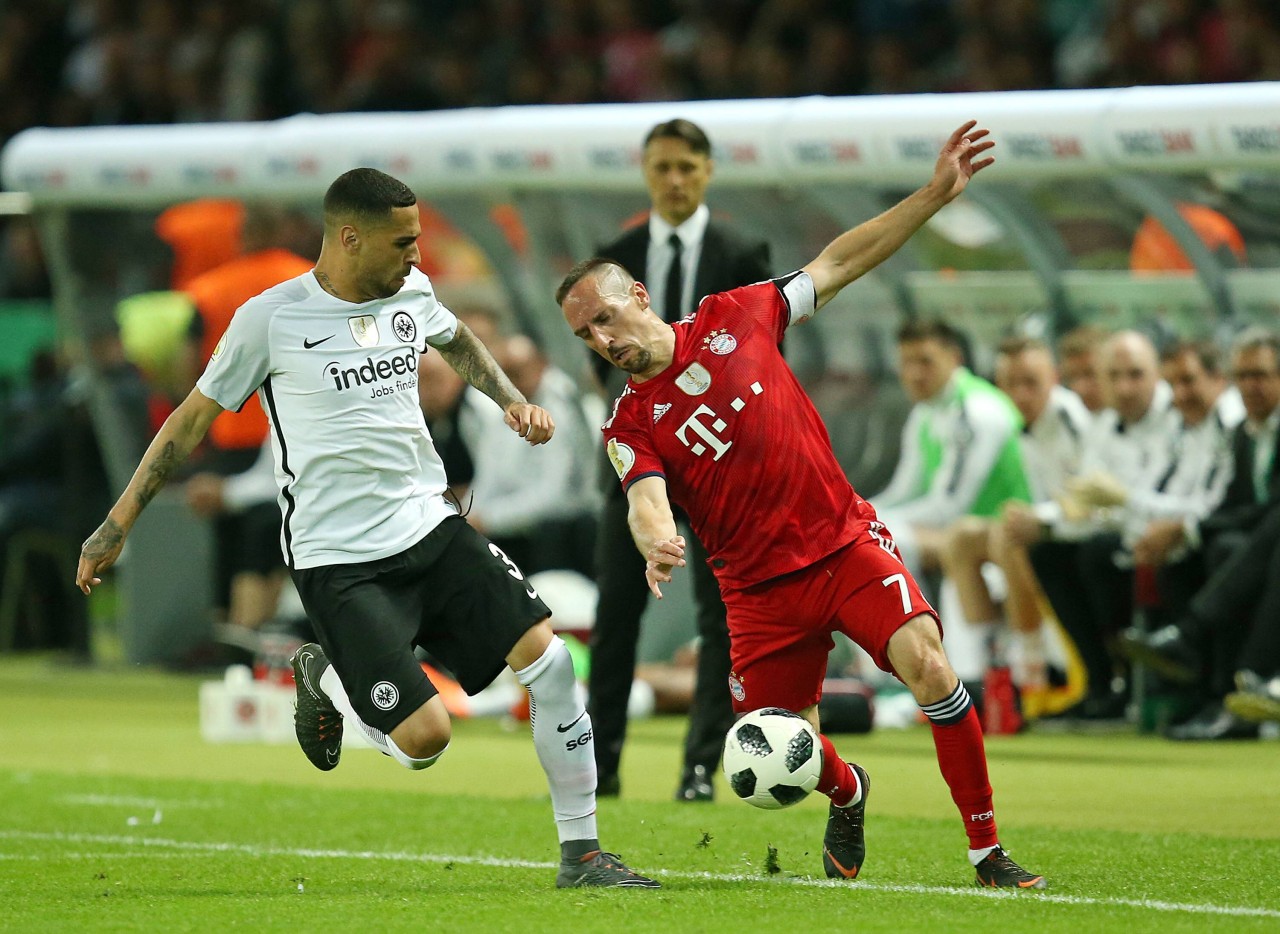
(637, 361)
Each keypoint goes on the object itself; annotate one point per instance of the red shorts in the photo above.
(781, 630)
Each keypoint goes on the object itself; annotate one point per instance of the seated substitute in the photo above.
(1072, 545)
(1052, 443)
(960, 453)
(1223, 594)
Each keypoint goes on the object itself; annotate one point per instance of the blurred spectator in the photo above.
(250, 566)
(1052, 443)
(1221, 591)
(54, 481)
(217, 294)
(246, 514)
(1079, 358)
(1073, 546)
(202, 234)
(960, 453)
(540, 509)
(22, 270)
(440, 393)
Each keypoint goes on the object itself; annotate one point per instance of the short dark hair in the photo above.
(1021, 343)
(365, 194)
(1254, 337)
(1085, 338)
(1206, 351)
(932, 329)
(681, 129)
(581, 271)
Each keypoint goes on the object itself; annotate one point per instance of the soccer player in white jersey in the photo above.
(380, 557)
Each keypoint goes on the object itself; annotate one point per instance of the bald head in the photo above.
(1130, 373)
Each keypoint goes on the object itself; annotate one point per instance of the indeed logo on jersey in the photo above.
(388, 375)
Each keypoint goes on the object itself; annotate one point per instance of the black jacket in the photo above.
(1240, 509)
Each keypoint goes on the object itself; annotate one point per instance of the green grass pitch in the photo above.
(115, 816)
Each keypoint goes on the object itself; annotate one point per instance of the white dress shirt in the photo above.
(658, 259)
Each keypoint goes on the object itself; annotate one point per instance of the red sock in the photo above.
(963, 761)
(837, 781)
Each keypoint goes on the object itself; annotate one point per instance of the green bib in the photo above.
(1008, 477)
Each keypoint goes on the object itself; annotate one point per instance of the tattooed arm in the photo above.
(473, 362)
(180, 433)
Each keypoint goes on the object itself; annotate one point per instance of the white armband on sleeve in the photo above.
(798, 292)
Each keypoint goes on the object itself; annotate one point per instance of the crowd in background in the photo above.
(98, 62)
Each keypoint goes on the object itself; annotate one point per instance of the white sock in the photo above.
(1026, 659)
(857, 795)
(331, 684)
(967, 642)
(563, 738)
(977, 856)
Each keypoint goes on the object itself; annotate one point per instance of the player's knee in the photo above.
(415, 762)
(962, 539)
(917, 656)
(423, 736)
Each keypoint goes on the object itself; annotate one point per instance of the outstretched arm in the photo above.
(654, 529)
(855, 252)
(177, 437)
(473, 362)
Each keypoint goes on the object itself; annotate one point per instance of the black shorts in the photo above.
(454, 593)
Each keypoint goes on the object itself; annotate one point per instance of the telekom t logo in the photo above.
(710, 432)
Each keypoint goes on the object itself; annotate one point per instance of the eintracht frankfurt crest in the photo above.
(402, 324)
(364, 330)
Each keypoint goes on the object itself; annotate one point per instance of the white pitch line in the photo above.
(493, 861)
(128, 801)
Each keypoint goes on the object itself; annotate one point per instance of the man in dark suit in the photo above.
(1234, 591)
(681, 255)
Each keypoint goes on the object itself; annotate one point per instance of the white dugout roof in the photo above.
(875, 140)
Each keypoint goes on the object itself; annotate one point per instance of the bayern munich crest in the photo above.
(736, 689)
(721, 342)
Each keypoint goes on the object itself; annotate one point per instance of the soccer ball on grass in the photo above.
(772, 758)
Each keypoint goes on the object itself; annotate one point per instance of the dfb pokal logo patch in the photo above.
(402, 324)
(364, 330)
(385, 695)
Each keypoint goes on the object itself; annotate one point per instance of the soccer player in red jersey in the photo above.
(713, 419)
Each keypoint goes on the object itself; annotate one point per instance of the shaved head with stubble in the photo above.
(1130, 373)
(609, 311)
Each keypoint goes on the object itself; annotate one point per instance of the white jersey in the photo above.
(1199, 468)
(359, 478)
(1053, 445)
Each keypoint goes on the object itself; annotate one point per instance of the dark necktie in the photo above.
(675, 279)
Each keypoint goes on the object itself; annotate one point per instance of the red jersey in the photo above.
(740, 445)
